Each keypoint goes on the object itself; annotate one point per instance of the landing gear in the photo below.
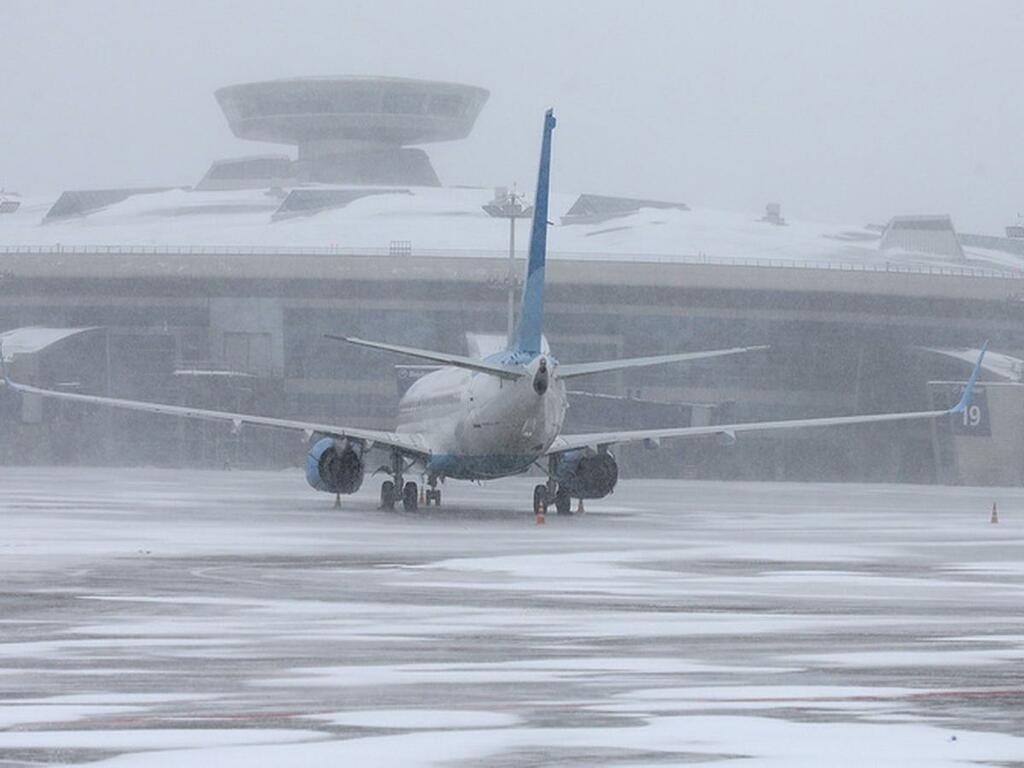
(391, 491)
(432, 494)
(563, 503)
(551, 493)
(540, 500)
(410, 497)
(387, 495)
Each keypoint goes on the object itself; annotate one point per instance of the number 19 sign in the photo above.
(974, 420)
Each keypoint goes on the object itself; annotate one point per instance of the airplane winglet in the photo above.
(965, 399)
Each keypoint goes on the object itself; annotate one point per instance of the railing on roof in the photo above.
(703, 259)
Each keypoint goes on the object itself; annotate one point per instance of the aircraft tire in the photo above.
(540, 500)
(410, 497)
(387, 495)
(563, 502)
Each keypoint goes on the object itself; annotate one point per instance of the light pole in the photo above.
(509, 205)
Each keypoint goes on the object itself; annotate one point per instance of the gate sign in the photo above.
(975, 419)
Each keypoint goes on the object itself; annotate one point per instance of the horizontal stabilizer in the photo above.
(458, 361)
(569, 371)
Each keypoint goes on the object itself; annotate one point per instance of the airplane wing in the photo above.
(406, 443)
(571, 370)
(600, 440)
(481, 366)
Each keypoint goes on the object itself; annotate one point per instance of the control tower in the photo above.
(354, 130)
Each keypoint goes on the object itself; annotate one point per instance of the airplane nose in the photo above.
(540, 379)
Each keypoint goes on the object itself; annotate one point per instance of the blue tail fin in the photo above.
(531, 316)
(965, 399)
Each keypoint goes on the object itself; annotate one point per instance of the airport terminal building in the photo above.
(218, 295)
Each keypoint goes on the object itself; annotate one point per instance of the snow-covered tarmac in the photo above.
(165, 618)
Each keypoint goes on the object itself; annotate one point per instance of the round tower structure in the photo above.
(354, 130)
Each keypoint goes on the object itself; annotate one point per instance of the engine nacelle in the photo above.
(587, 477)
(335, 466)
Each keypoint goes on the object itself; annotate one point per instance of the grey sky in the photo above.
(843, 112)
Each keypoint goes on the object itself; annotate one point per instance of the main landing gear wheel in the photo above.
(387, 495)
(563, 502)
(410, 497)
(540, 500)
(433, 496)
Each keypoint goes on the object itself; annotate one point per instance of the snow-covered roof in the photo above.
(452, 220)
(21, 341)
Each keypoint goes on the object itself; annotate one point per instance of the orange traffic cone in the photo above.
(995, 514)
(541, 518)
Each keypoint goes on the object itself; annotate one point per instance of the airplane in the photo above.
(482, 419)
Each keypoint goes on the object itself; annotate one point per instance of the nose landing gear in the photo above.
(433, 494)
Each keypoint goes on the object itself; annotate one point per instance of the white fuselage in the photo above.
(480, 426)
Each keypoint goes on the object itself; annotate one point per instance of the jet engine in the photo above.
(335, 466)
(585, 476)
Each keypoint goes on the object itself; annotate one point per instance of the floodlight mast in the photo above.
(507, 204)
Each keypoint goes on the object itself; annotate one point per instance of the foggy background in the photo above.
(845, 113)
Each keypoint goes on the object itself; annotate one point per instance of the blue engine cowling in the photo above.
(585, 476)
(335, 466)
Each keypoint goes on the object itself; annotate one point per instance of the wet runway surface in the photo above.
(159, 618)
